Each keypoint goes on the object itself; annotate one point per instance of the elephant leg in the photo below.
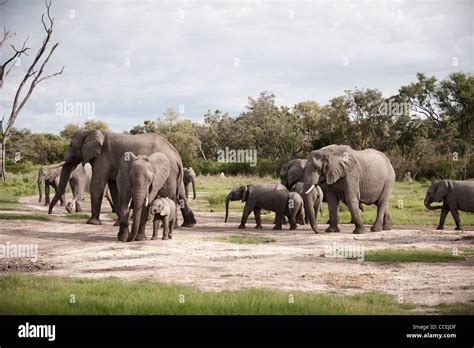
(381, 209)
(46, 193)
(278, 221)
(258, 218)
(353, 205)
(171, 224)
(78, 207)
(442, 217)
(333, 203)
(188, 216)
(156, 226)
(141, 230)
(245, 215)
(292, 219)
(97, 186)
(387, 221)
(115, 197)
(123, 221)
(457, 220)
(166, 228)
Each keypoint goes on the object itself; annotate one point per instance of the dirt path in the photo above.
(295, 261)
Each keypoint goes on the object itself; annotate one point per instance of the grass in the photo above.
(247, 239)
(30, 294)
(29, 216)
(411, 211)
(410, 255)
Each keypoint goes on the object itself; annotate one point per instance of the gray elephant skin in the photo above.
(272, 197)
(455, 195)
(103, 151)
(139, 178)
(189, 177)
(354, 177)
(315, 196)
(295, 208)
(164, 210)
(80, 184)
(49, 175)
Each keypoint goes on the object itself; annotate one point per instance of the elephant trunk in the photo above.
(227, 200)
(193, 182)
(65, 174)
(309, 187)
(139, 201)
(430, 207)
(40, 183)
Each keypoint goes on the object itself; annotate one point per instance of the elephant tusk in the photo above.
(146, 201)
(310, 189)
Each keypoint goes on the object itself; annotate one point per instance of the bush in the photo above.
(263, 168)
(20, 167)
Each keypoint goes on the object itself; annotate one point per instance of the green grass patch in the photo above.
(410, 255)
(216, 199)
(455, 308)
(247, 239)
(29, 216)
(78, 216)
(31, 294)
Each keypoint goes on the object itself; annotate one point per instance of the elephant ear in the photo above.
(442, 189)
(91, 145)
(245, 192)
(53, 174)
(166, 208)
(191, 172)
(338, 166)
(123, 175)
(295, 174)
(161, 171)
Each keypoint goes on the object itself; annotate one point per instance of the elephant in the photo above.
(455, 194)
(295, 208)
(103, 151)
(292, 172)
(80, 183)
(49, 175)
(189, 177)
(353, 177)
(164, 210)
(272, 197)
(315, 197)
(139, 178)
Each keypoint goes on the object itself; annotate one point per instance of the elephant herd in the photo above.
(335, 174)
(144, 173)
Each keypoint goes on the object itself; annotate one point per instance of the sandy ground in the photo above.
(298, 260)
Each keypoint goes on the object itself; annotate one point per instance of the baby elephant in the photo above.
(455, 194)
(295, 209)
(272, 197)
(164, 210)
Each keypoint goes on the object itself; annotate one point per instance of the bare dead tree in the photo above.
(33, 73)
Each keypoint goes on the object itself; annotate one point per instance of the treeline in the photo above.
(426, 128)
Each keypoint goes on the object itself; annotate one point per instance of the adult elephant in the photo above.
(353, 177)
(455, 195)
(189, 177)
(292, 172)
(103, 151)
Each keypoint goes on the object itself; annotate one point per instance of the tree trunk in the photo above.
(3, 172)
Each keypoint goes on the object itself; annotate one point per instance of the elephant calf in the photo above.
(164, 210)
(455, 194)
(272, 197)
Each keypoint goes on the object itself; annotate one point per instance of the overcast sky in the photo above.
(134, 59)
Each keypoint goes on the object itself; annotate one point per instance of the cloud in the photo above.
(134, 59)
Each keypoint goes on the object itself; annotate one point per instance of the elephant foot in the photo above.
(123, 236)
(117, 222)
(440, 227)
(78, 209)
(293, 227)
(458, 228)
(258, 227)
(359, 230)
(140, 237)
(188, 224)
(333, 229)
(387, 227)
(94, 221)
(277, 228)
(165, 238)
(376, 228)
(242, 227)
